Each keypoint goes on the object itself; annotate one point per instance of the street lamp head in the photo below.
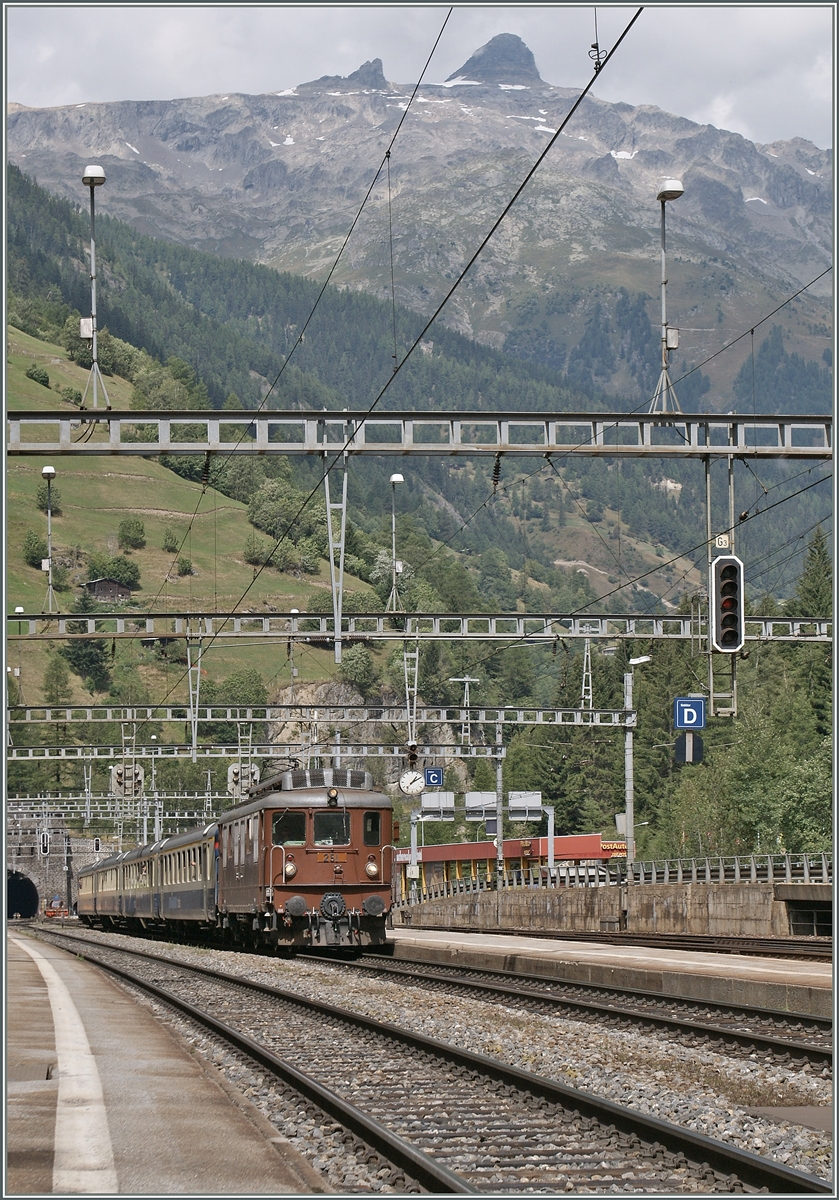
(19, 610)
(93, 176)
(48, 473)
(671, 189)
(397, 478)
(644, 658)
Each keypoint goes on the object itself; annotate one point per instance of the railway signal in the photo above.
(241, 778)
(728, 618)
(45, 843)
(136, 781)
(127, 782)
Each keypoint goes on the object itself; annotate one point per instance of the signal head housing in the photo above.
(728, 624)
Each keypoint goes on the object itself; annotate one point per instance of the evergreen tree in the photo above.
(87, 658)
(53, 494)
(34, 549)
(814, 591)
(358, 668)
(56, 681)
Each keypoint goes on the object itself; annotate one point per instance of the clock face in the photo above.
(412, 782)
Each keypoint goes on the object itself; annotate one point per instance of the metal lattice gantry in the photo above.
(272, 750)
(645, 435)
(159, 811)
(308, 714)
(530, 628)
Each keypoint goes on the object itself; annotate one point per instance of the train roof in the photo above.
(287, 789)
(317, 777)
(175, 842)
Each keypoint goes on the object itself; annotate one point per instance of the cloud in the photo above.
(764, 71)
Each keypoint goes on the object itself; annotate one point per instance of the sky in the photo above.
(765, 71)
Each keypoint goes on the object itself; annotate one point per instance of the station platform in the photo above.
(103, 1099)
(787, 984)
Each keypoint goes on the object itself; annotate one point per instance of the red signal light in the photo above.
(727, 593)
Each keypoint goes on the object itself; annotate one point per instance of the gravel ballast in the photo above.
(697, 1088)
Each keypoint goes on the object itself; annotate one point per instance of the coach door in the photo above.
(240, 863)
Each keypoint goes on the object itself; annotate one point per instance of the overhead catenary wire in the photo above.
(659, 565)
(328, 467)
(206, 480)
(643, 575)
(580, 445)
(560, 457)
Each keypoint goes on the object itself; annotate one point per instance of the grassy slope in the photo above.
(96, 494)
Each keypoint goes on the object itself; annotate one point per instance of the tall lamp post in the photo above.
(629, 765)
(18, 671)
(393, 604)
(51, 605)
(94, 177)
(292, 667)
(664, 399)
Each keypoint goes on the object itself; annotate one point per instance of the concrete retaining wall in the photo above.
(724, 910)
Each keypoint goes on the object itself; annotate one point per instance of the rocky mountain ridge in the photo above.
(277, 179)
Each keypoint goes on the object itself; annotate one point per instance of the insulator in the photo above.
(496, 471)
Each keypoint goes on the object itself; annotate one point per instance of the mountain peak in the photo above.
(369, 75)
(504, 59)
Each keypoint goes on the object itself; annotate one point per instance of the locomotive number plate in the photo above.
(331, 856)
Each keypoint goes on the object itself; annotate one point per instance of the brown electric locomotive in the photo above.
(305, 861)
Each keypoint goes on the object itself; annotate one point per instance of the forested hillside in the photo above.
(186, 330)
(229, 325)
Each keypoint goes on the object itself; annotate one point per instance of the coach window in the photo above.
(332, 828)
(289, 828)
(372, 828)
(225, 838)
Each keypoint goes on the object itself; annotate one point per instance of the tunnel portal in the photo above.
(21, 895)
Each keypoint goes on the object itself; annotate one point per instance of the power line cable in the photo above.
(385, 160)
(339, 454)
(698, 546)
(746, 332)
(581, 445)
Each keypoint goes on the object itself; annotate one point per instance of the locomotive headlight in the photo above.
(371, 868)
(290, 869)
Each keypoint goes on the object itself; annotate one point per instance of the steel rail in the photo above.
(319, 628)
(516, 992)
(749, 1010)
(751, 1169)
(614, 435)
(434, 1177)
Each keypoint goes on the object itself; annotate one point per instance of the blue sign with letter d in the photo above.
(689, 712)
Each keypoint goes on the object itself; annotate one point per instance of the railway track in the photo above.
(451, 1120)
(788, 1038)
(813, 949)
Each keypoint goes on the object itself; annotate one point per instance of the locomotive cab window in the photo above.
(289, 828)
(372, 828)
(332, 828)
